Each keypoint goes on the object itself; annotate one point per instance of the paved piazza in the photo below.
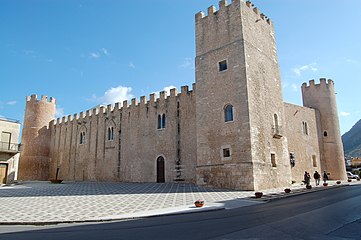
(44, 203)
(82, 201)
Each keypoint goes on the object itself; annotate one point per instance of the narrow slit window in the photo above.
(273, 160)
(314, 161)
(159, 122)
(110, 133)
(163, 121)
(82, 138)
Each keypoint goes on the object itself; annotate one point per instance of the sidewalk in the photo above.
(46, 203)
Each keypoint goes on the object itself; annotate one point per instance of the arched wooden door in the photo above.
(160, 170)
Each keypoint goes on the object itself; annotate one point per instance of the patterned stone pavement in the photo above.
(43, 202)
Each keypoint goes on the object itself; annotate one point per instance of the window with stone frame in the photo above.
(314, 161)
(161, 121)
(228, 113)
(110, 133)
(226, 152)
(273, 160)
(222, 65)
(305, 128)
(82, 138)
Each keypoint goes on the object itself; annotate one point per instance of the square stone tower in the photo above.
(239, 104)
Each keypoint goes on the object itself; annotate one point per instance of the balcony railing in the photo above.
(9, 147)
(277, 131)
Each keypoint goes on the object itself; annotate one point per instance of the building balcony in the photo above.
(9, 147)
(277, 131)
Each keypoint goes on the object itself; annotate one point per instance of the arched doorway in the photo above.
(160, 170)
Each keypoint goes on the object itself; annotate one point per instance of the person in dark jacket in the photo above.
(325, 177)
(317, 177)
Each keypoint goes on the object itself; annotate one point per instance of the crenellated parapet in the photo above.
(323, 84)
(224, 7)
(43, 98)
(126, 106)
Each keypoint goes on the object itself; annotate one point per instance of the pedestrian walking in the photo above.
(325, 177)
(307, 178)
(317, 177)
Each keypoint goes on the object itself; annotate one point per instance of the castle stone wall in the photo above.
(131, 155)
(302, 131)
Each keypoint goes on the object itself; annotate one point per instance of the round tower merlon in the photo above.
(323, 82)
(44, 98)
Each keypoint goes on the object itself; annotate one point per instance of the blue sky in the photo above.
(86, 53)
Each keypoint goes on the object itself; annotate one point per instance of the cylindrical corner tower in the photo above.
(323, 98)
(34, 159)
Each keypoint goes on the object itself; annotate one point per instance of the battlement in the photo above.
(34, 98)
(323, 83)
(235, 5)
(125, 106)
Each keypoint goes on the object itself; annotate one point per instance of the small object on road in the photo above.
(309, 187)
(55, 180)
(338, 182)
(287, 190)
(199, 203)
(325, 184)
(258, 194)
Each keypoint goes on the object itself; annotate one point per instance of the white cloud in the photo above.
(105, 51)
(345, 114)
(29, 52)
(59, 112)
(352, 61)
(167, 89)
(11, 103)
(94, 55)
(294, 87)
(99, 53)
(309, 67)
(187, 63)
(114, 95)
(131, 65)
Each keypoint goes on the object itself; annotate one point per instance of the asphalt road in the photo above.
(329, 214)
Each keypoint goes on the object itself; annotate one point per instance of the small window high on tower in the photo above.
(228, 113)
(222, 65)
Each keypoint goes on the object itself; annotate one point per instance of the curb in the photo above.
(292, 193)
(200, 210)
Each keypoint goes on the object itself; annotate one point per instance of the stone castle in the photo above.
(232, 130)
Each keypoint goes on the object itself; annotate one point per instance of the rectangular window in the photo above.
(226, 152)
(222, 65)
(314, 161)
(5, 140)
(273, 160)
